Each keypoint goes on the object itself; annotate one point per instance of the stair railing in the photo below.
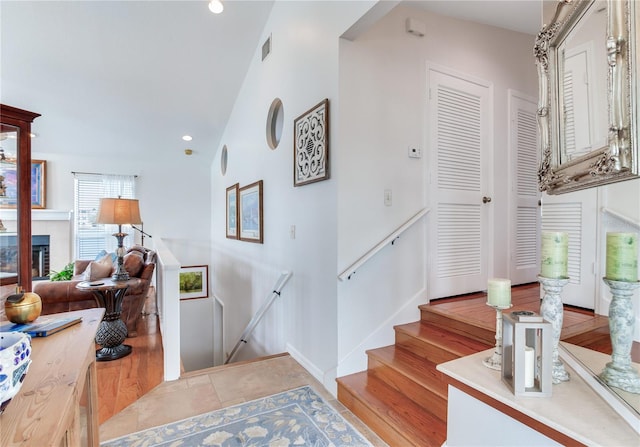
(351, 270)
(622, 217)
(244, 338)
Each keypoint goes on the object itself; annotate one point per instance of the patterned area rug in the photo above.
(297, 417)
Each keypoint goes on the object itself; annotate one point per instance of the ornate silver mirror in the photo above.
(587, 115)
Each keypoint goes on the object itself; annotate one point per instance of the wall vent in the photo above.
(266, 48)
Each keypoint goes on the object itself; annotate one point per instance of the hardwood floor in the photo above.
(121, 382)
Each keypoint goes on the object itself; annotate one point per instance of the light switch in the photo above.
(387, 197)
(292, 232)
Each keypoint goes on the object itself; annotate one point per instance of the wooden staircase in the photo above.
(402, 397)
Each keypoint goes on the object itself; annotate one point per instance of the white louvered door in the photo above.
(525, 222)
(459, 135)
(575, 213)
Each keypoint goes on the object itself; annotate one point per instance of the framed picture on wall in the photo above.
(232, 212)
(251, 214)
(194, 282)
(311, 145)
(9, 183)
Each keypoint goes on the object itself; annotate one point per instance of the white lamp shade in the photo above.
(119, 211)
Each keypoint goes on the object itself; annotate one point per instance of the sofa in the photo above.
(63, 296)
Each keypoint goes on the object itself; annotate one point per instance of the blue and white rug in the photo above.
(297, 417)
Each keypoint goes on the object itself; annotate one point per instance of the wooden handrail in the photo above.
(349, 271)
(621, 217)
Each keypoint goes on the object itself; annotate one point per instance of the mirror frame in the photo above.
(618, 160)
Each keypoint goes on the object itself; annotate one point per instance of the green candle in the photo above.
(554, 255)
(622, 257)
(499, 292)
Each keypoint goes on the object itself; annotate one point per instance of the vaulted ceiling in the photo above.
(143, 73)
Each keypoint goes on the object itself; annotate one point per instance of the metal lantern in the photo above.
(527, 354)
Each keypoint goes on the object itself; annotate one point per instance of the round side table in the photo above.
(112, 331)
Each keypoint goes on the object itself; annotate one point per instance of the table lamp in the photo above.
(119, 212)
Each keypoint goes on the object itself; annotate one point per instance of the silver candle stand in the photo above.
(619, 372)
(495, 361)
(551, 310)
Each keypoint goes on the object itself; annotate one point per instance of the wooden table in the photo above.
(57, 404)
(112, 331)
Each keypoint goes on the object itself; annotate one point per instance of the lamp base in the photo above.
(120, 274)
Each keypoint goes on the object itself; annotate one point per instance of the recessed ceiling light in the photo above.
(216, 6)
(187, 137)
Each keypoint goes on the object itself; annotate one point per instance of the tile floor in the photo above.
(215, 388)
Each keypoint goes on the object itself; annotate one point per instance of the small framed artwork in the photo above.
(251, 214)
(232, 212)
(311, 145)
(194, 282)
(9, 183)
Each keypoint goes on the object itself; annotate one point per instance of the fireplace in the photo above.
(39, 255)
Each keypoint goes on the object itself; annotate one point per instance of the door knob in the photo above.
(486, 199)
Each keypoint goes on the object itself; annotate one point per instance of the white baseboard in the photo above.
(328, 380)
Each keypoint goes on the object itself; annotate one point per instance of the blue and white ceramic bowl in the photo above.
(15, 358)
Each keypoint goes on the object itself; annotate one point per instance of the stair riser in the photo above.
(376, 422)
(428, 399)
(476, 333)
(424, 349)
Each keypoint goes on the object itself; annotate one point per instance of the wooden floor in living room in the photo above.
(121, 382)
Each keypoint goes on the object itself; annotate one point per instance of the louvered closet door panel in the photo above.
(458, 141)
(575, 214)
(526, 226)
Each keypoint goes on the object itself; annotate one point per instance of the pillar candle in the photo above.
(622, 257)
(529, 366)
(554, 255)
(499, 292)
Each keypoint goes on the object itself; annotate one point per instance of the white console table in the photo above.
(483, 411)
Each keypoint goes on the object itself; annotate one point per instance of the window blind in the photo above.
(90, 238)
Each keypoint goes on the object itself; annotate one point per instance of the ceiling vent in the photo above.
(266, 48)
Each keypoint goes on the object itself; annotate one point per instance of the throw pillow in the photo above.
(101, 254)
(98, 269)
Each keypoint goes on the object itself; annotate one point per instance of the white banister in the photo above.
(168, 300)
(244, 338)
(346, 274)
(621, 217)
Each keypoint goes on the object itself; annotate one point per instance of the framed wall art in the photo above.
(251, 213)
(232, 212)
(311, 145)
(194, 282)
(9, 182)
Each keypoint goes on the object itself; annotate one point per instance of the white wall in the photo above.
(383, 111)
(302, 70)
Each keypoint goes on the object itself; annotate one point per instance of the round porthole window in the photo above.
(223, 160)
(275, 120)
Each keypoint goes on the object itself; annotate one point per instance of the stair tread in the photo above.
(415, 424)
(416, 368)
(449, 341)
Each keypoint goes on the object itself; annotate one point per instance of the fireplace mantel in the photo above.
(38, 215)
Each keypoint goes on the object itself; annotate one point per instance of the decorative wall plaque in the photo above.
(311, 145)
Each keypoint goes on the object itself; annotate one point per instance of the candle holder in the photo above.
(526, 354)
(619, 372)
(495, 361)
(551, 310)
